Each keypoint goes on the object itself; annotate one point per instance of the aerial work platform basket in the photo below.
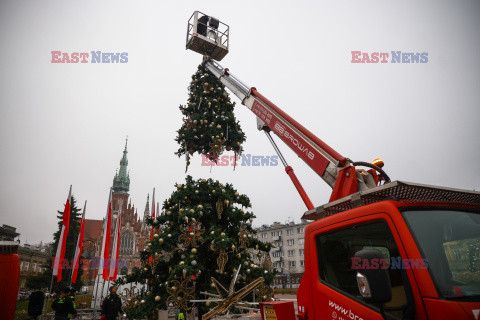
(207, 36)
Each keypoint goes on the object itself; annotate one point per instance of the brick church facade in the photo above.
(133, 232)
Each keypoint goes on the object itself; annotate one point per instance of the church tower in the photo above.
(133, 231)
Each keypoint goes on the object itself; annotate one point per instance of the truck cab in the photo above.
(429, 241)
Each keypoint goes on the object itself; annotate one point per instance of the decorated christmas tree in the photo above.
(202, 236)
(209, 125)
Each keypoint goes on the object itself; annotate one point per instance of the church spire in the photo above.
(121, 181)
(147, 209)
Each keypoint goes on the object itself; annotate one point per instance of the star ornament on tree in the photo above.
(191, 234)
(230, 298)
(181, 293)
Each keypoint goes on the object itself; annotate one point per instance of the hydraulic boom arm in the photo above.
(325, 161)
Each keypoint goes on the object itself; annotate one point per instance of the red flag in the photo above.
(158, 213)
(153, 213)
(103, 266)
(115, 250)
(62, 240)
(78, 250)
(106, 252)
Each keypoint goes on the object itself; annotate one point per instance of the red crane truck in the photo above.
(379, 249)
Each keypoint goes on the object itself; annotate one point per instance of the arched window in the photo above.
(126, 243)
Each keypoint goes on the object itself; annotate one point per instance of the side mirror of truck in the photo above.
(373, 283)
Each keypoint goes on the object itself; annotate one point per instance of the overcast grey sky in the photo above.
(63, 124)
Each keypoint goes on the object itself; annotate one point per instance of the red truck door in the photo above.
(333, 268)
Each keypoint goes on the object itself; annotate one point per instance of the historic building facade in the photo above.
(32, 262)
(133, 230)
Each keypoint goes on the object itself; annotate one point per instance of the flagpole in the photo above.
(101, 293)
(56, 262)
(94, 296)
(158, 214)
(49, 295)
(98, 284)
(100, 266)
(114, 249)
(109, 212)
(76, 257)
